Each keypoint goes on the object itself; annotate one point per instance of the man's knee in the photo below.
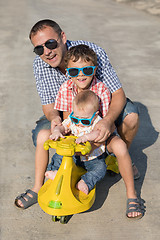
(43, 136)
(131, 121)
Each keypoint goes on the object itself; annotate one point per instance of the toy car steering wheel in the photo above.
(67, 146)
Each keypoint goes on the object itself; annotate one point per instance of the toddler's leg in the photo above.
(82, 186)
(51, 174)
(96, 170)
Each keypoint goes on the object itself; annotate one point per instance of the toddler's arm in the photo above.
(88, 137)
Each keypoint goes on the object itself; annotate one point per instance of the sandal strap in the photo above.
(26, 200)
(135, 205)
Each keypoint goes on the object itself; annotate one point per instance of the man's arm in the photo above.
(106, 125)
(52, 115)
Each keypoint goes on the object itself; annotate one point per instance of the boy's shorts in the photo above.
(43, 123)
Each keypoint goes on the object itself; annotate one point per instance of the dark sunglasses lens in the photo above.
(88, 71)
(74, 120)
(85, 122)
(51, 44)
(39, 50)
(73, 72)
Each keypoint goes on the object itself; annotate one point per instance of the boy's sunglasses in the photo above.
(87, 71)
(84, 121)
(50, 44)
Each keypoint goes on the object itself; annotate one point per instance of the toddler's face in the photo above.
(83, 114)
(82, 81)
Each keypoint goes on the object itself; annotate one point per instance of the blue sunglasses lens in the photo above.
(73, 72)
(74, 120)
(88, 71)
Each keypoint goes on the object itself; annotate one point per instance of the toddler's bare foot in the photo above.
(82, 186)
(51, 174)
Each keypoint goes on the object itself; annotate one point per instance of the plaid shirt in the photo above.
(49, 80)
(68, 91)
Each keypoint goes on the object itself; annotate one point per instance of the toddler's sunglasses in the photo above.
(50, 44)
(84, 121)
(87, 71)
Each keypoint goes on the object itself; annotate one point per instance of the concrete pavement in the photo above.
(131, 39)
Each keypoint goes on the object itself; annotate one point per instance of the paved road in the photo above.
(132, 41)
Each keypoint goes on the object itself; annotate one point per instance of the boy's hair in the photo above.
(40, 25)
(86, 99)
(80, 52)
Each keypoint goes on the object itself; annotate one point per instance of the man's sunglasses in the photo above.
(84, 121)
(50, 44)
(87, 71)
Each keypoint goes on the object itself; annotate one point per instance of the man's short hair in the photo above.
(40, 25)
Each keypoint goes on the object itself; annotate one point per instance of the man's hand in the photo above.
(105, 128)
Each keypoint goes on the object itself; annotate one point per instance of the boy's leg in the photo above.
(119, 148)
(127, 126)
(40, 135)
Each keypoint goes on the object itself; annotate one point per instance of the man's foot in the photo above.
(136, 173)
(51, 174)
(26, 199)
(135, 208)
(82, 186)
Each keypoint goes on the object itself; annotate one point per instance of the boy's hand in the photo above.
(57, 121)
(105, 128)
(56, 135)
(82, 139)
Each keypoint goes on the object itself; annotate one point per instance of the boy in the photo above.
(81, 66)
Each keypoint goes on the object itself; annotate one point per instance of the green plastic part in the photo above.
(55, 204)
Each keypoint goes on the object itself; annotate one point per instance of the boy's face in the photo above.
(82, 81)
(54, 57)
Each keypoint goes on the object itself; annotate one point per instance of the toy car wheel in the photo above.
(64, 219)
(55, 218)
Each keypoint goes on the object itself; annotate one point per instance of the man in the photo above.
(50, 45)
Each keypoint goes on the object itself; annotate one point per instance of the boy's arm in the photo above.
(58, 131)
(106, 125)
(52, 115)
(88, 137)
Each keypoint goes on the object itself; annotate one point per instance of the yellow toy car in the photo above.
(59, 197)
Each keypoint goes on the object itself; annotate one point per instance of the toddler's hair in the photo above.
(86, 99)
(80, 52)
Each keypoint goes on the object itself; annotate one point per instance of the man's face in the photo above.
(54, 57)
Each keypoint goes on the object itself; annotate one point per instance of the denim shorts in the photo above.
(96, 168)
(43, 123)
(130, 107)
